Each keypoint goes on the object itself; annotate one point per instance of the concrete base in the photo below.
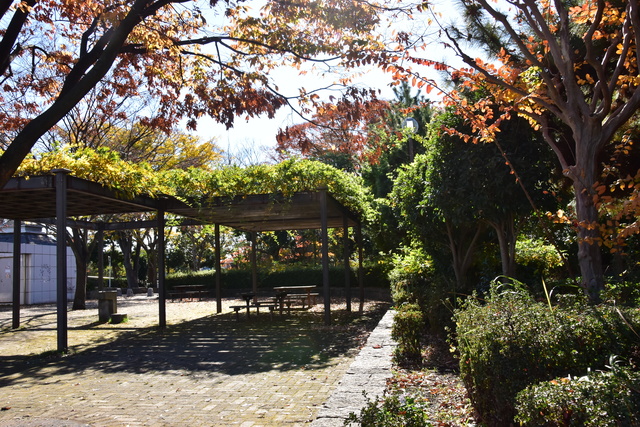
(119, 318)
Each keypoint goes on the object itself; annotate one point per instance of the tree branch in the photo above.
(7, 51)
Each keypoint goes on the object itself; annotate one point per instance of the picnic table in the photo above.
(284, 295)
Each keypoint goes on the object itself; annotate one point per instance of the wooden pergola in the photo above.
(54, 198)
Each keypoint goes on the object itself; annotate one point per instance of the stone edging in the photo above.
(368, 372)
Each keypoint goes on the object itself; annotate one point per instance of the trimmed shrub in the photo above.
(413, 280)
(598, 399)
(509, 341)
(236, 280)
(410, 277)
(537, 259)
(408, 325)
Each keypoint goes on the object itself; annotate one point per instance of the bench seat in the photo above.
(192, 294)
(256, 306)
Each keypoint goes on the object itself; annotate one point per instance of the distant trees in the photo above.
(340, 133)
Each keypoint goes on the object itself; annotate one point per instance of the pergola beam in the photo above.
(325, 257)
(218, 270)
(347, 266)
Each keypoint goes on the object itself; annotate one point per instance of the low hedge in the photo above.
(509, 341)
(240, 279)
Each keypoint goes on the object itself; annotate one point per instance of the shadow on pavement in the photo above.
(209, 346)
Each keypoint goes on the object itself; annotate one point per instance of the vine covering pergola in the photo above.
(56, 197)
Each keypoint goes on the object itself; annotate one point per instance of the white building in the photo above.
(38, 264)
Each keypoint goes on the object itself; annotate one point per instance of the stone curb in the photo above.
(368, 372)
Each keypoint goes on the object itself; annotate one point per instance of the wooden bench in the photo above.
(257, 306)
(184, 292)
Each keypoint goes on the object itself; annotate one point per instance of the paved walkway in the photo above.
(210, 371)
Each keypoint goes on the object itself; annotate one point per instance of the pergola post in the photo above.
(218, 270)
(61, 256)
(254, 263)
(347, 266)
(17, 255)
(360, 269)
(325, 256)
(100, 238)
(162, 292)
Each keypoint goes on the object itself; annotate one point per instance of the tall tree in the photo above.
(570, 67)
(54, 52)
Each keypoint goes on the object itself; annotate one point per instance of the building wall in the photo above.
(38, 275)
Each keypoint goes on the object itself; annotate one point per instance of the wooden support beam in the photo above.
(325, 257)
(61, 257)
(218, 270)
(162, 292)
(347, 266)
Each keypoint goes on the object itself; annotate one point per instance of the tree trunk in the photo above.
(589, 252)
(506, 233)
(152, 257)
(80, 297)
(125, 241)
(588, 145)
(152, 271)
(78, 242)
(462, 249)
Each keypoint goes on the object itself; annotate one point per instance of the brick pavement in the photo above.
(207, 371)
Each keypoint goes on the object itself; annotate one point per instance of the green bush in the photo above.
(622, 293)
(408, 327)
(413, 280)
(409, 277)
(394, 411)
(509, 341)
(537, 258)
(610, 398)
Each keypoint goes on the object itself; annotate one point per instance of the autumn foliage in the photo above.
(345, 127)
(192, 58)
